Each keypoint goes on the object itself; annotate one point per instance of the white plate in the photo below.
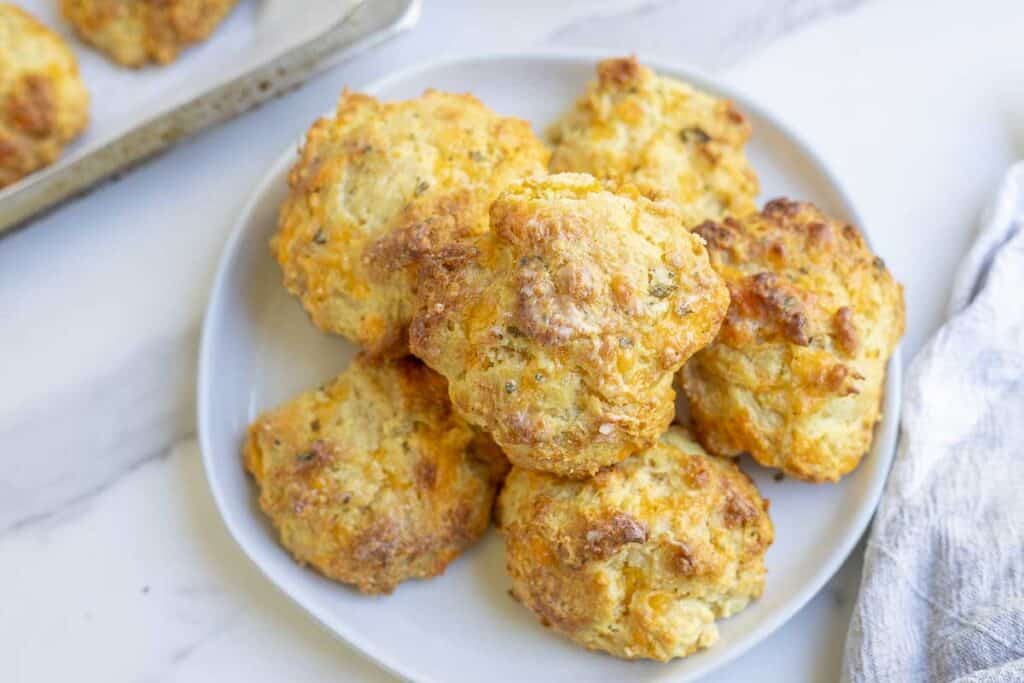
(258, 349)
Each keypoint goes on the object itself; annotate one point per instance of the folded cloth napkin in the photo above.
(942, 597)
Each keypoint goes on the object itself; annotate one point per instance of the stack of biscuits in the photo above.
(525, 314)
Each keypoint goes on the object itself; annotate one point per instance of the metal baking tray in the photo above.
(265, 48)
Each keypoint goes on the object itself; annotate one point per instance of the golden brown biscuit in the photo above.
(43, 102)
(137, 32)
(632, 125)
(560, 329)
(795, 376)
(379, 186)
(640, 560)
(371, 478)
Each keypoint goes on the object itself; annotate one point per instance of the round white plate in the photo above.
(258, 349)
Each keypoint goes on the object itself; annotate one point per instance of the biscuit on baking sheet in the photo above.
(560, 330)
(139, 32)
(633, 125)
(372, 479)
(379, 186)
(43, 102)
(795, 376)
(640, 560)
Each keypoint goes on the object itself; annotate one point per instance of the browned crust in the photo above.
(379, 189)
(618, 72)
(135, 33)
(43, 102)
(763, 301)
(796, 373)
(371, 479)
(675, 141)
(560, 339)
(687, 530)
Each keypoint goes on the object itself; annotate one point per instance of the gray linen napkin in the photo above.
(943, 588)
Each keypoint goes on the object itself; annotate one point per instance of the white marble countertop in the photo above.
(115, 564)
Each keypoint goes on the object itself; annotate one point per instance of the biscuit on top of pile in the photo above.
(550, 308)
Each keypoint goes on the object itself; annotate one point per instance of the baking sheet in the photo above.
(264, 47)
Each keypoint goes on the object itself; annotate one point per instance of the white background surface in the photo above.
(114, 563)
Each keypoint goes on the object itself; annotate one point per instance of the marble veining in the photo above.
(712, 35)
(76, 444)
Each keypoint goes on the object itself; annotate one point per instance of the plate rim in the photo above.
(886, 433)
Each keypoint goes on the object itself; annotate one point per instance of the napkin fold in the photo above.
(942, 597)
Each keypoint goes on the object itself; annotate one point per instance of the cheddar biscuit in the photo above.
(43, 102)
(378, 187)
(635, 126)
(642, 559)
(371, 478)
(560, 329)
(139, 32)
(795, 376)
